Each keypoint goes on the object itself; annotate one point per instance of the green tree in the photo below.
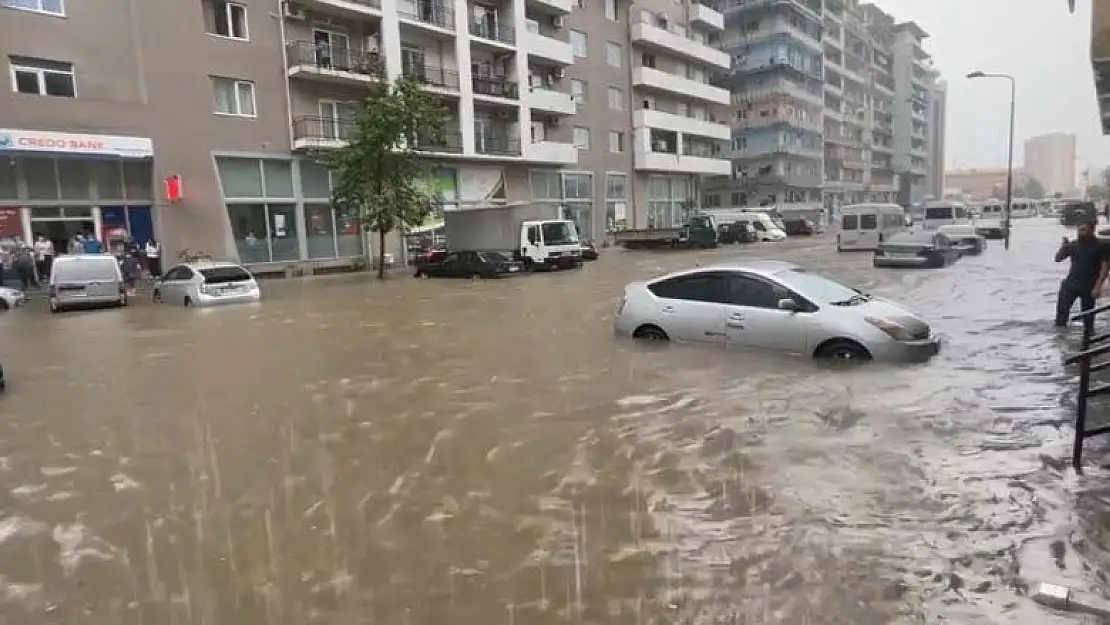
(380, 170)
(1034, 189)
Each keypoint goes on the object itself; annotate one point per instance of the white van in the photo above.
(992, 219)
(766, 227)
(939, 214)
(1022, 208)
(865, 226)
(86, 281)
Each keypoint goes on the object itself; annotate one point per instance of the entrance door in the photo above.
(332, 49)
(413, 62)
(61, 231)
(338, 118)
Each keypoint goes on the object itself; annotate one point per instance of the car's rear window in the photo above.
(216, 275)
(102, 269)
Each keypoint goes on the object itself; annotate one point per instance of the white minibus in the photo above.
(939, 214)
(865, 226)
(1022, 208)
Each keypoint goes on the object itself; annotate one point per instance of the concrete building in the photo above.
(914, 82)
(606, 109)
(1100, 58)
(938, 112)
(983, 183)
(1050, 160)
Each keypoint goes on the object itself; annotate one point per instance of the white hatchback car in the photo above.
(206, 284)
(773, 305)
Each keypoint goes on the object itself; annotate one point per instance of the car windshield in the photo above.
(83, 270)
(559, 233)
(216, 275)
(815, 288)
(911, 237)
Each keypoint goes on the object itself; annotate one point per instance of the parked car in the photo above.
(10, 298)
(590, 251)
(431, 255)
(966, 238)
(916, 248)
(736, 232)
(773, 305)
(85, 281)
(800, 227)
(469, 265)
(206, 284)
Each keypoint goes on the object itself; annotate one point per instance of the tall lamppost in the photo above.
(1010, 163)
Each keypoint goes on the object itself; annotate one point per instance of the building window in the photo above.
(611, 10)
(580, 43)
(668, 200)
(616, 142)
(42, 77)
(616, 194)
(616, 99)
(234, 97)
(578, 91)
(582, 138)
(547, 185)
(647, 60)
(614, 54)
(228, 19)
(50, 7)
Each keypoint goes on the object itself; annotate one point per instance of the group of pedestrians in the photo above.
(32, 263)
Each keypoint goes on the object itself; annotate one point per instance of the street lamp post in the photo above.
(1010, 162)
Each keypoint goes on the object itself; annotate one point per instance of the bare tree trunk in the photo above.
(381, 254)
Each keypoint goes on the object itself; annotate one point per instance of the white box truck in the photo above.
(535, 233)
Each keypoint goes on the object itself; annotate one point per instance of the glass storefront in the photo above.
(572, 190)
(668, 197)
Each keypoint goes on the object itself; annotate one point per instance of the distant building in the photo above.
(983, 183)
(934, 181)
(1050, 160)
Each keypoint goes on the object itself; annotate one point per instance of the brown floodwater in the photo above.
(427, 452)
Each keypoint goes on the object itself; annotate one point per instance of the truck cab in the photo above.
(550, 244)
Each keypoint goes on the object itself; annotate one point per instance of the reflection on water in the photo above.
(429, 452)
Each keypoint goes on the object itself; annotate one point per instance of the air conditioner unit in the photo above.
(559, 21)
(292, 11)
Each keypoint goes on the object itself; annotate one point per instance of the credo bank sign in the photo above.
(70, 143)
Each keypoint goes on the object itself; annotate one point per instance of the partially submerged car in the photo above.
(206, 284)
(916, 248)
(469, 264)
(966, 238)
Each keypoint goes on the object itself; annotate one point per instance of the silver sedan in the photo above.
(777, 306)
(206, 284)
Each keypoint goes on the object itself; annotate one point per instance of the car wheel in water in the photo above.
(650, 333)
(843, 351)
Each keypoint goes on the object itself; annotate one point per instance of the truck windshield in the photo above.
(559, 233)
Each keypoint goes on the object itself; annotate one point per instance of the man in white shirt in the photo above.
(44, 257)
(154, 258)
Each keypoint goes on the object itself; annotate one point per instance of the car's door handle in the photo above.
(736, 317)
(668, 309)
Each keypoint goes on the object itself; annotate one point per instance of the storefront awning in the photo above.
(50, 142)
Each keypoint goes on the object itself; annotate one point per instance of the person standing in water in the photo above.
(154, 258)
(1090, 261)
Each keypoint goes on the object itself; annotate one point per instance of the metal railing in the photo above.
(337, 58)
(432, 76)
(445, 141)
(495, 86)
(493, 32)
(434, 13)
(499, 145)
(1091, 347)
(322, 128)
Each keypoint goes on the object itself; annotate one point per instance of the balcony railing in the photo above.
(493, 32)
(496, 86)
(498, 145)
(434, 13)
(334, 58)
(445, 141)
(432, 76)
(322, 128)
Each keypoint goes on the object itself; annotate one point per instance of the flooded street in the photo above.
(428, 452)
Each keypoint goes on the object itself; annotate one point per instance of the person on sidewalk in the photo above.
(24, 265)
(1090, 261)
(44, 257)
(93, 245)
(154, 258)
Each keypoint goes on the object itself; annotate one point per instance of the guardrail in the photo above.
(1092, 346)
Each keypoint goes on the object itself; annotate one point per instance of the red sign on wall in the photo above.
(174, 190)
(10, 224)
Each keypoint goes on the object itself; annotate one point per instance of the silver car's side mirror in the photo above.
(788, 304)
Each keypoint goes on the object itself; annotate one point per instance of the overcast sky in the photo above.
(1046, 48)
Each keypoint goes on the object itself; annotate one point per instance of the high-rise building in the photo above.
(1050, 160)
(821, 105)
(938, 111)
(607, 111)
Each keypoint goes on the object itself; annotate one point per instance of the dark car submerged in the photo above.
(468, 265)
(916, 248)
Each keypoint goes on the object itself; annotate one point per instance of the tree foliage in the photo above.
(380, 171)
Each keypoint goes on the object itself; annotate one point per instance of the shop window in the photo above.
(315, 182)
(138, 180)
(248, 227)
(545, 185)
(42, 180)
(108, 179)
(319, 230)
(278, 176)
(240, 177)
(348, 226)
(73, 179)
(8, 177)
(283, 232)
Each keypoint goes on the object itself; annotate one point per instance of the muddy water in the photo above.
(435, 452)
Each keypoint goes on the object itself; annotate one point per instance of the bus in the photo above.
(939, 214)
(865, 226)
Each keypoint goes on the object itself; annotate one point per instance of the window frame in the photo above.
(585, 41)
(736, 277)
(589, 139)
(719, 276)
(619, 136)
(610, 46)
(40, 73)
(622, 101)
(235, 83)
(41, 10)
(229, 22)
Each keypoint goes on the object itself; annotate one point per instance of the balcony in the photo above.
(787, 88)
(681, 163)
(796, 150)
(550, 101)
(651, 78)
(679, 123)
(780, 29)
(352, 9)
(707, 17)
(554, 7)
(333, 64)
(427, 13)
(313, 132)
(654, 37)
(547, 48)
(496, 145)
(444, 142)
(552, 152)
(805, 6)
(434, 78)
(495, 87)
(502, 37)
(755, 121)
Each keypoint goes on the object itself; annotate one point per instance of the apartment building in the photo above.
(914, 81)
(815, 104)
(1050, 160)
(934, 182)
(605, 109)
